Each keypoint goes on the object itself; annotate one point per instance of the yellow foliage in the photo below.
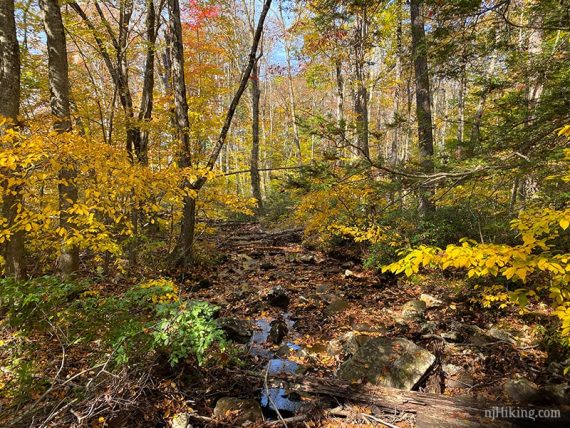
(165, 290)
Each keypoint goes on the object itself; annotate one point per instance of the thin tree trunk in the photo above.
(145, 111)
(423, 108)
(58, 72)
(254, 159)
(339, 97)
(14, 253)
(361, 92)
(292, 100)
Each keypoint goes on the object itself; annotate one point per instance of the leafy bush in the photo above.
(136, 324)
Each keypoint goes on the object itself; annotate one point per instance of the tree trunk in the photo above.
(145, 112)
(254, 160)
(58, 72)
(361, 93)
(423, 108)
(183, 251)
(339, 97)
(292, 100)
(14, 253)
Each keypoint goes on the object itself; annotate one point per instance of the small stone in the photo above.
(348, 273)
(180, 420)
(266, 266)
(501, 335)
(238, 411)
(278, 331)
(278, 297)
(521, 390)
(307, 258)
(451, 369)
(413, 310)
(428, 327)
(452, 336)
(237, 330)
(431, 301)
(336, 306)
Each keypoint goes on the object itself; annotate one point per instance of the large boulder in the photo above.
(397, 363)
(238, 411)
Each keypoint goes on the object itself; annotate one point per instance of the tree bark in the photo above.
(361, 93)
(58, 73)
(254, 160)
(423, 108)
(14, 253)
(292, 100)
(147, 99)
(183, 251)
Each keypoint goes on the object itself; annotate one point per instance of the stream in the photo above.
(275, 397)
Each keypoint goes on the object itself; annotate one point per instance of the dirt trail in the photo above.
(332, 296)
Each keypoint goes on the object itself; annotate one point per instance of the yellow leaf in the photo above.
(564, 223)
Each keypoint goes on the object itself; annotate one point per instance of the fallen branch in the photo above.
(432, 409)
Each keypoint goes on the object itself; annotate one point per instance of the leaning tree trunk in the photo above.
(254, 160)
(9, 109)
(423, 108)
(183, 251)
(59, 92)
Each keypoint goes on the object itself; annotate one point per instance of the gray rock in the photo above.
(180, 420)
(556, 394)
(431, 301)
(278, 297)
(347, 344)
(278, 331)
(452, 336)
(238, 330)
(336, 306)
(397, 363)
(477, 336)
(238, 411)
(457, 377)
(413, 310)
(428, 327)
(307, 258)
(521, 390)
(501, 335)
(468, 333)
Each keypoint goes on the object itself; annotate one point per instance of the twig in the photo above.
(266, 386)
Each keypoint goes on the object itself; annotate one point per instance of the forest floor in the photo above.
(331, 301)
(294, 311)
